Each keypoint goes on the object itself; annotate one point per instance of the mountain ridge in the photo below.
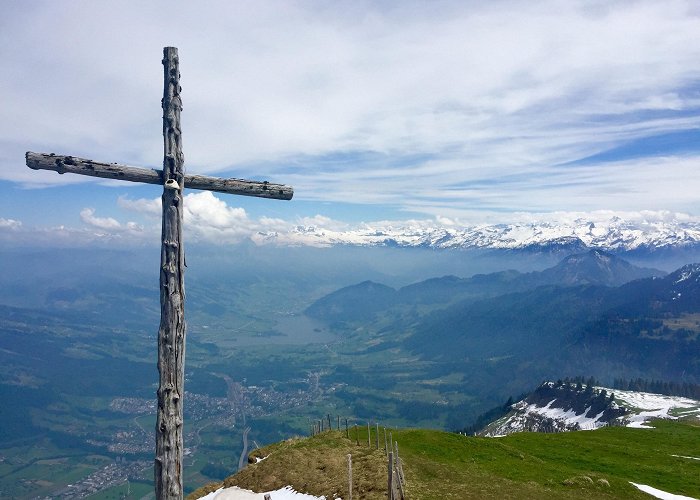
(593, 267)
(528, 327)
(563, 407)
(610, 234)
(649, 320)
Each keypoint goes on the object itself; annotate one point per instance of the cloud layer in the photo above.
(443, 108)
(209, 220)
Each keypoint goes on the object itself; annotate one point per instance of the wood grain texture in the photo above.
(171, 334)
(71, 164)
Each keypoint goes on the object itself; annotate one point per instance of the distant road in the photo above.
(244, 454)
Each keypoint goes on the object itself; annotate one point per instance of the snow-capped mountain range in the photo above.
(611, 234)
(553, 408)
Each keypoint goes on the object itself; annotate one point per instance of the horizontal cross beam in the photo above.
(73, 165)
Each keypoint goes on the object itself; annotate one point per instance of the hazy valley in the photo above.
(279, 337)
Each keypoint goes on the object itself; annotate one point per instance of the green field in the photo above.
(439, 465)
(82, 385)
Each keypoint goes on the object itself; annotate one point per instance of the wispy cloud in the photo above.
(210, 220)
(9, 224)
(109, 224)
(206, 218)
(442, 108)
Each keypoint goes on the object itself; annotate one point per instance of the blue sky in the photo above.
(457, 111)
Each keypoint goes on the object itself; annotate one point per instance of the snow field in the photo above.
(654, 406)
(236, 493)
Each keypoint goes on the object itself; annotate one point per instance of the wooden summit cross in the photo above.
(171, 334)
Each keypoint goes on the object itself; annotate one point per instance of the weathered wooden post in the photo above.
(171, 332)
(349, 476)
(369, 437)
(347, 434)
(399, 467)
(391, 442)
(377, 424)
(391, 477)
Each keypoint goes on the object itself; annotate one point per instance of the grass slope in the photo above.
(440, 465)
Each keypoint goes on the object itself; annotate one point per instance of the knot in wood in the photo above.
(30, 162)
(169, 269)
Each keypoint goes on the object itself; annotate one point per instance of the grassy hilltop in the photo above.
(439, 465)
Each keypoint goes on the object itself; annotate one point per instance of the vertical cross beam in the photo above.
(171, 334)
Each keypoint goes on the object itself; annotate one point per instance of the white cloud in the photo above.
(205, 209)
(108, 224)
(321, 221)
(9, 223)
(87, 215)
(148, 207)
(446, 95)
(208, 218)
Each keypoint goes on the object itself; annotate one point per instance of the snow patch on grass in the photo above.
(660, 493)
(569, 417)
(236, 493)
(654, 406)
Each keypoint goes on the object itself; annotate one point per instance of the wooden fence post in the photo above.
(399, 475)
(369, 437)
(399, 465)
(347, 434)
(377, 424)
(386, 450)
(350, 476)
(390, 484)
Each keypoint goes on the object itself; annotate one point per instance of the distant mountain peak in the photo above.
(561, 407)
(594, 255)
(689, 272)
(611, 233)
(596, 267)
